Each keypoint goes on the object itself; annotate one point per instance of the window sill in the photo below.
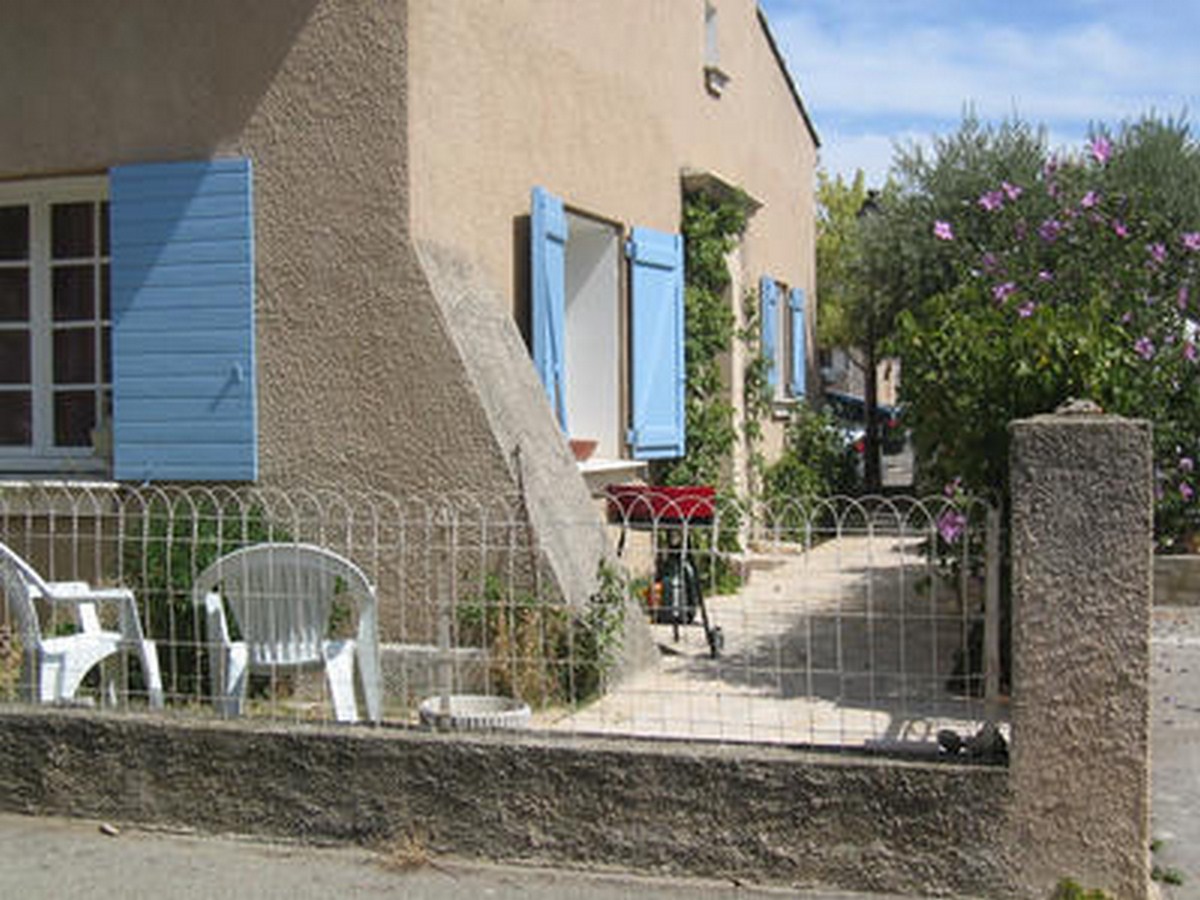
(599, 472)
(784, 408)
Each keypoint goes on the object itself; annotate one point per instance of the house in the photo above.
(405, 246)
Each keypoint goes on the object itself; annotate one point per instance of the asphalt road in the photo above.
(69, 858)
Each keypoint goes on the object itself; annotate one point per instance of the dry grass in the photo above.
(404, 853)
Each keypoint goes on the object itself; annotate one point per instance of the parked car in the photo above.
(851, 414)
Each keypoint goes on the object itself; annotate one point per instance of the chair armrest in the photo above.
(83, 595)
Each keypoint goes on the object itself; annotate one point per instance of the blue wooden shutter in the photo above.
(799, 344)
(183, 322)
(769, 292)
(656, 332)
(547, 244)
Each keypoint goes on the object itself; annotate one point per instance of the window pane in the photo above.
(74, 293)
(14, 357)
(105, 294)
(14, 295)
(14, 232)
(16, 419)
(71, 230)
(75, 356)
(104, 228)
(106, 355)
(74, 418)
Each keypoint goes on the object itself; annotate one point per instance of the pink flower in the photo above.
(989, 262)
(1101, 149)
(991, 201)
(1191, 240)
(1158, 252)
(950, 525)
(1012, 191)
(1182, 297)
(1126, 318)
(1002, 292)
(1045, 277)
(942, 231)
(1120, 229)
(1190, 353)
(1186, 492)
(1186, 464)
(1025, 310)
(1090, 199)
(1050, 230)
(1144, 347)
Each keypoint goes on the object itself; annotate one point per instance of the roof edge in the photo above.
(787, 76)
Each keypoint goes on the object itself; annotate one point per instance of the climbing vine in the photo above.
(756, 386)
(712, 227)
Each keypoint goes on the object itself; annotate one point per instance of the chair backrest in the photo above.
(19, 582)
(281, 597)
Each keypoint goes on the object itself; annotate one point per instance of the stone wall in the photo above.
(751, 813)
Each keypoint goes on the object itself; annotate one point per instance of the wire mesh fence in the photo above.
(842, 622)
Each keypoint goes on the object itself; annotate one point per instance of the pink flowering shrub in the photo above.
(1068, 284)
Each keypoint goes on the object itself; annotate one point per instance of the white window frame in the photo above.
(42, 456)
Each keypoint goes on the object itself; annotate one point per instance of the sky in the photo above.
(875, 74)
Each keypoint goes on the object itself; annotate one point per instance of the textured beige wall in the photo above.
(358, 382)
(603, 103)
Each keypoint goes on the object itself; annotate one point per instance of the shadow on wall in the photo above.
(136, 78)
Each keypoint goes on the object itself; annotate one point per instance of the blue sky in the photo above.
(874, 73)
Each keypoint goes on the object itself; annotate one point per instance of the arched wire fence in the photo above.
(852, 622)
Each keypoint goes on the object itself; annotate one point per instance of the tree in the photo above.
(855, 313)
(1033, 278)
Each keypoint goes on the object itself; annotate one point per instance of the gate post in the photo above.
(1082, 519)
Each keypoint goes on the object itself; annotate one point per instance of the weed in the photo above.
(405, 853)
(1069, 889)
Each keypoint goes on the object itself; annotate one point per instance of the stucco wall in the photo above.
(358, 383)
(603, 103)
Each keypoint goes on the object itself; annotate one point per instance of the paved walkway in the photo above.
(849, 644)
(1176, 747)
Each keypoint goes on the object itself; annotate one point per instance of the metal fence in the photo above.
(835, 622)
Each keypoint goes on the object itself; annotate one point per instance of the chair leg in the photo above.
(148, 654)
(230, 665)
(339, 670)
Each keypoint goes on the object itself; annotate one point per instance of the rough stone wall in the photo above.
(757, 814)
(1081, 548)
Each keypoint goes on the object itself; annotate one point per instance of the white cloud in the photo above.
(897, 67)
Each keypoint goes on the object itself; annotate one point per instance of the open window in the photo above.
(611, 362)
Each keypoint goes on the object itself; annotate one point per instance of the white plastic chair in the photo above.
(281, 598)
(54, 667)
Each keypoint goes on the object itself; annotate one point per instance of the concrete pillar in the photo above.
(1082, 506)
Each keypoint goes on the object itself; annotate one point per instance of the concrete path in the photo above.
(1175, 739)
(849, 644)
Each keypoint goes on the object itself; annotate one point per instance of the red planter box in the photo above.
(694, 504)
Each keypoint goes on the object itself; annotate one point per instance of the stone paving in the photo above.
(849, 644)
(1175, 743)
